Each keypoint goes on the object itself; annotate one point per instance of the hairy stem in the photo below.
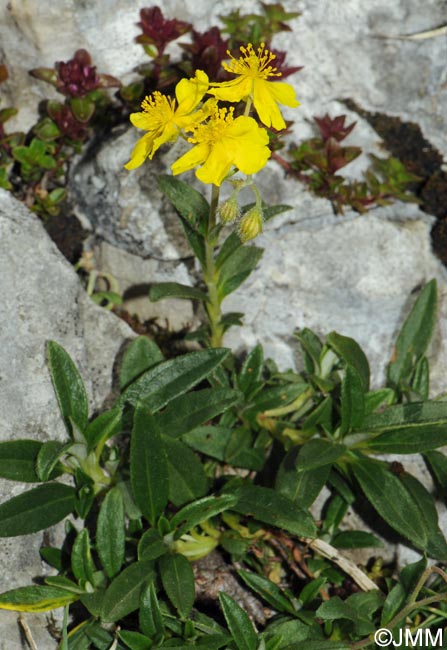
(210, 275)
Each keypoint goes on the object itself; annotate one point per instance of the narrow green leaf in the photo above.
(178, 582)
(135, 640)
(189, 411)
(187, 479)
(49, 455)
(403, 416)
(64, 583)
(150, 616)
(151, 545)
(195, 240)
(81, 558)
(148, 466)
(230, 246)
(36, 598)
(437, 545)
(103, 427)
(318, 452)
(376, 398)
(391, 499)
(241, 452)
(199, 511)
(110, 532)
(301, 487)
(251, 371)
(68, 386)
(312, 348)
(236, 268)
(190, 203)
(18, 460)
(163, 290)
(412, 440)
(350, 351)
(141, 355)
(36, 509)
(268, 590)
(352, 400)
(438, 465)
(209, 440)
(274, 509)
(420, 382)
(415, 335)
(172, 378)
(123, 595)
(356, 539)
(239, 624)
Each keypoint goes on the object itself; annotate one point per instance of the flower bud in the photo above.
(251, 224)
(229, 210)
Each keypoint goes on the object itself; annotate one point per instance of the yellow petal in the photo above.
(249, 147)
(217, 165)
(232, 91)
(195, 156)
(141, 121)
(141, 151)
(189, 92)
(266, 106)
(283, 93)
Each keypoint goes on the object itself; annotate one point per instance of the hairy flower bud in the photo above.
(229, 210)
(250, 226)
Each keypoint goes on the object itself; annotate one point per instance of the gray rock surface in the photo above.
(42, 299)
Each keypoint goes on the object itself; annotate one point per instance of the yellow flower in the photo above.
(163, 121)
(254, 69)
(223, 142)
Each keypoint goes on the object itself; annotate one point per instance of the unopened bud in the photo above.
(229, 210)
(251, 224)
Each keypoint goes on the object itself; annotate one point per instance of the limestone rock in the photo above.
(42, 299)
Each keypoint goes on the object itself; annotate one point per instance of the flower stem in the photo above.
(211, 275)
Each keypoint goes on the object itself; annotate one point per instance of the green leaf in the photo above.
(36, 598)
(81, 559)
(169, 379)
(123, 595)
(178, 582)
(110, 532)
(18, 460)
(36, 509)
(209, 440)
(187, 479)
(199, 511)
(301, 487)
(272, 398)
(312, 348)
(438, 465)
(437, 545)
(318, 452)
(355, 539)
(239, 624)
(230, 245)
(68, 386)
(148, 466)
(415, 335)
(376, 398)
(241, 452)
(135, 640)
(408, 428)
(151, 545)
(274, 509)
(251, 371)
(236, 268)
(82, 108)
(48, 458)
(350, 351)
(141, 355)
(420, 382)
(268, 590)
(352, 400)
(190, 203)
(163, 290)
(189, 411)
(104, 427)
(195, 240)
(150, 616)
(391, 499)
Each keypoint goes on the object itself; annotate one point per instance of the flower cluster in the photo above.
(222, 142)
